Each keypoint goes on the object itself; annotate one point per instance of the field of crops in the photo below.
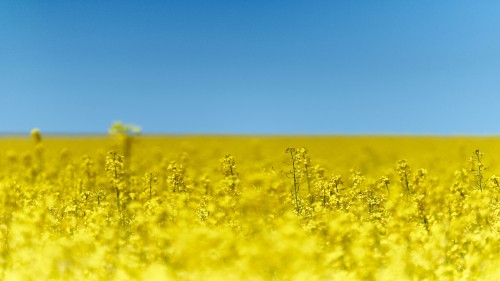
(249, 208)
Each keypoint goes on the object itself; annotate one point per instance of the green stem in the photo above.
(295, 186)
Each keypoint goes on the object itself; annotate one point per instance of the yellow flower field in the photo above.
(249, 208)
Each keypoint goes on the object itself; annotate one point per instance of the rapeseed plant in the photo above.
(305, 162)
(228, 168)
(115, 173)
(404, 172)
(478, 168)
(176, 178)
(125, 134)
(293, 174)
(150, 180)
(36, 135)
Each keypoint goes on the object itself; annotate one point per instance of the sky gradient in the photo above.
(251, 67)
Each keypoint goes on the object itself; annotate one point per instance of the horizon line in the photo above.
(153, 134)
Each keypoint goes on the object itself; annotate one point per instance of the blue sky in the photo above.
(252, 67)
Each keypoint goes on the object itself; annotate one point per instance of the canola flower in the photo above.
(221, 208)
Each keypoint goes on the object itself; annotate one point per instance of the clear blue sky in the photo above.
(271, 67)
